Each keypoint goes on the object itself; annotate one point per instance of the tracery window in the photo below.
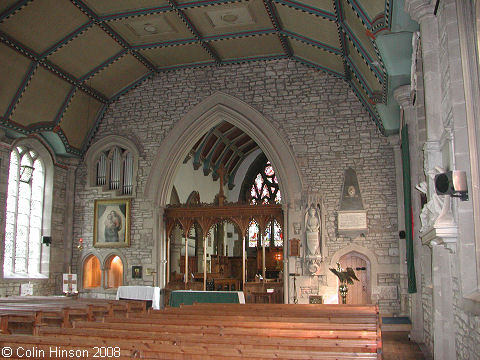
(265, 190)
(24, 216)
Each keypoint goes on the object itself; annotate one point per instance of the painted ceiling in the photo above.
(64, 61)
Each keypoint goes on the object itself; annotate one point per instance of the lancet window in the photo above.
(24, 215)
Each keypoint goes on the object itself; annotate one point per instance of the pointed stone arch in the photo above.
(364, 252)
(210, 112)
(187, 131)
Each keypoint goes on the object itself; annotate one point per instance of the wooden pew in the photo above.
(292, 332)
(30, 313)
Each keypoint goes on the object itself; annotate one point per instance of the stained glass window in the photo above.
(253, 232)
(265, 190)
(277, 234)
(23, 225)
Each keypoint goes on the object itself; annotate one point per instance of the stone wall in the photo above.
(319, 116)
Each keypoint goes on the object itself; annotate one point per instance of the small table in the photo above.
(140, 293)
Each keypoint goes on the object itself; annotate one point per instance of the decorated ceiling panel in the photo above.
(12, 72)
(357, 31)
(164, 57)
(79, 118)
(151, 29)
(41, 24)
(105, 7)
(65, 61)
(244, 16)
(118, 75)
(309, 27)
(251, 46)
(362, 70)
(325, 59)
(35, 109)
(87, 51)
(325, 5)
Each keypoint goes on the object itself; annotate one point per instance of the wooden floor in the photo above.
(396, 346)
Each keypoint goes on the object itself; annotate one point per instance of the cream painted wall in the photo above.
(188, 179)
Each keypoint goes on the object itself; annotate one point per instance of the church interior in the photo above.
(273, 152)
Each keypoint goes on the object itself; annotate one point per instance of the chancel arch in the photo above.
(175, 148)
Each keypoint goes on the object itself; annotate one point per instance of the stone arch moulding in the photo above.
(210, 112)
(106, 259)
(107, 142)
(81, 262)
(368, 254)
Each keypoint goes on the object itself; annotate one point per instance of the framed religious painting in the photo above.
(111, 227)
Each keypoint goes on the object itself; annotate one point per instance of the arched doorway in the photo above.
(360, 291)
(188, 131)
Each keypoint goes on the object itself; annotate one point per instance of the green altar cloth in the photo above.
(188, 297)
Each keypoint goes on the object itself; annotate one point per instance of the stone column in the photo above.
(68, 240)
(394, 141)
(402, 96)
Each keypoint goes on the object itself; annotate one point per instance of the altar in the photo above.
(188, 297)
(148, 293)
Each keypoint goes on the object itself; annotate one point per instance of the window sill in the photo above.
(25, 277)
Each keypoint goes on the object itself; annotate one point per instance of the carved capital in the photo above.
(402, 95)
(419, 9)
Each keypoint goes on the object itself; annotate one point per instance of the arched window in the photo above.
(264, 189)
(276, 230)
(24, 216)
(114, 272)
(91, 272)
(253, 234)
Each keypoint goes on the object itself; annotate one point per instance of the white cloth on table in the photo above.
(140, 293)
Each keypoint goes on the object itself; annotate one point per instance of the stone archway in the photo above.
(186, 132)
(369, 258)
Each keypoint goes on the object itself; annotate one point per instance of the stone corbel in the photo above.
(444, 230)
(419, 9)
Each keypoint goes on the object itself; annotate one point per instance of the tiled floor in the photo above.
(396, 346)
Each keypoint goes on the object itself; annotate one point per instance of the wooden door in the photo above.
(359, 292)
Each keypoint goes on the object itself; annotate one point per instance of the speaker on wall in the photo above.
(453, 183)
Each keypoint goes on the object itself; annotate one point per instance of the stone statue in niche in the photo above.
(313, 229)
(434, 207)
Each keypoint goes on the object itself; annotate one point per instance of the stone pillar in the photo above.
(422, 12)
(68, 240)
(394, 141)
(402, 96)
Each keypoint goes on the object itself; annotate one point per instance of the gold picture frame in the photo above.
(111, 226)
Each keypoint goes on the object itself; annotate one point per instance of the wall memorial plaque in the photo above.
(352, 221)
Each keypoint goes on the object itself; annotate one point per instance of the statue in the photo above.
(313, 229)
(432, 209)
(346, 277)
